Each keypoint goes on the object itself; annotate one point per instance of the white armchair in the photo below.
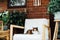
(42, 24)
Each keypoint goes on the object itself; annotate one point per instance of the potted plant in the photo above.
(54, 8)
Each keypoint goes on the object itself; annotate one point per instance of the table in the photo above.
(4, 34)
(56, 29)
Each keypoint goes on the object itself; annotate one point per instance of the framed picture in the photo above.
(1, 25)
(16, 3)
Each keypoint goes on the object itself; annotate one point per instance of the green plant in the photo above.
(17, 18)
(53, 6)
(4, 16)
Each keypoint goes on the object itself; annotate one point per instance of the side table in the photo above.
(4, 34)
(56, 29)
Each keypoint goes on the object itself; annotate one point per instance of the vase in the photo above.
(57, 16)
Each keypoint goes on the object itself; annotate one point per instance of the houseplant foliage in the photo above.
(17, 18)
(4, 16)
(54, 8)
(14, 17)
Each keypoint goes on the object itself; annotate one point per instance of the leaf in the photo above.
(53, 6)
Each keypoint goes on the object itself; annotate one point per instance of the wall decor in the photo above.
(16, 3)
(36, 2)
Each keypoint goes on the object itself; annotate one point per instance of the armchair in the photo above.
(43, 27)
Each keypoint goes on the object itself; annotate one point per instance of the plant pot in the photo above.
(57, 15)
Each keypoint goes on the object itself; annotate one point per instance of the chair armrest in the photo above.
(15, 26)
(49, 31)
(11, 30)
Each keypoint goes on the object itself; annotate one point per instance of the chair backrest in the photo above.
(40, 24)
(30, 23)
(1, 25)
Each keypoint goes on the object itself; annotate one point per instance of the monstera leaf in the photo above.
(5, 17)
(0, 16)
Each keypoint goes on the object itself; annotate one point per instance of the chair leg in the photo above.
(7, 37)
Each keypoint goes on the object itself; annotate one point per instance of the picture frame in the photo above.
(37, 3)
(16, 3)
(1, 25)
